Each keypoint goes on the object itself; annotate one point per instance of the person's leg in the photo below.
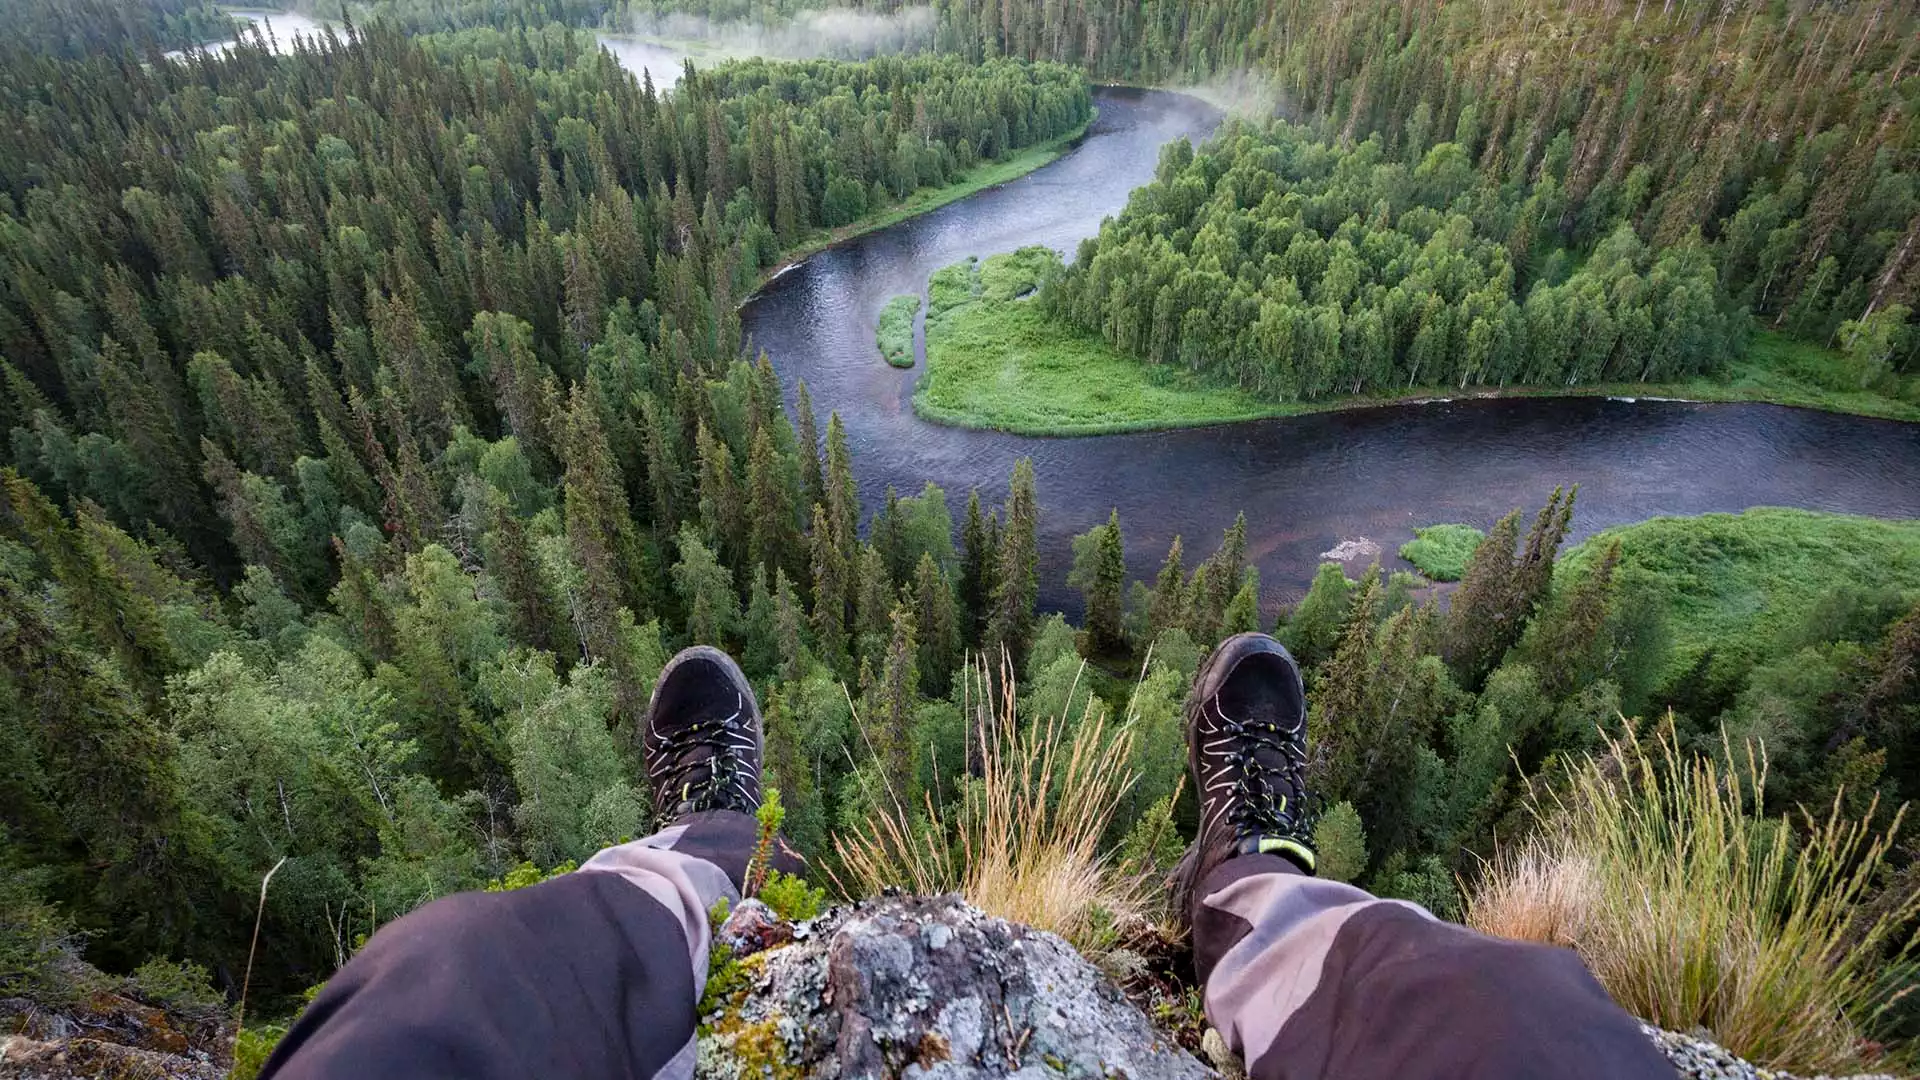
(593, 974)
(1307, 978)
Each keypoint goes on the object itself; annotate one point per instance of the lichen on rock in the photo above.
(929, 989)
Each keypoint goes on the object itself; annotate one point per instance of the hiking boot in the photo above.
(702, 745)
(1247, 752)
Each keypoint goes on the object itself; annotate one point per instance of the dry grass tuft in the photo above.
(1025, 844)
(1696, 911)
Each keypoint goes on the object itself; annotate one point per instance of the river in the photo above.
(1306, 484)
(662, 61)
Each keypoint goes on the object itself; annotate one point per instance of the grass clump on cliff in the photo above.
(895, 332)
(1026, 843)
(1737, 585)
(1441, 551)
(1697, 910)
(994, 360)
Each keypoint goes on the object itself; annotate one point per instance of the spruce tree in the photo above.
(890, 708)
(1016, 581)
(120, 619)
(92, 788)
(533, 618)
(599, 532)
(978, 558)
(722, 509)
(759, 632)
(1103, 583)
(789, 628)
(938, 621)
(812, 479)
(1169, 608)
(843, 501)
(830, 580)
(1243, 611)
(889, 537)
(873, 601)
(1478, 630)
(770, 522)
(1568, 642)
(706, 591)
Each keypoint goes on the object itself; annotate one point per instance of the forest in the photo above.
(379, 422)
(407, 400)
(1297, 271)
(1783, 132)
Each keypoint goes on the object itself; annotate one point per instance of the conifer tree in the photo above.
(122, 621)
(789, 628)
(1340, 695)
(759, 632)
(92, 789)
(770, 536)
(706, 591)
(1243, 611)
(812, 479)
(357, 598)
(873, 601)
(938, 622)
(532, 617)
(889, 537)
(1568, 641)
(1016, 581)
(599, 532)
(722, 510)
(1169, 608)
(978, 558)
(1477, 632)
(830, 580)
(843, 501)
(890, 707)
(665, 479)
(1100, 571)
(1314, 628)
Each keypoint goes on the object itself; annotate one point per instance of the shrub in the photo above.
(1441, 551)
(1696, 911)
(1025, 843)
(1340, 841)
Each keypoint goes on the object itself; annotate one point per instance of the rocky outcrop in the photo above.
(1698, 1059)
(105, 1032)
(927, 989)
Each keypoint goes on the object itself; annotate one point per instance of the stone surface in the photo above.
(930, 989)
(105, 1033)
(1698, 1059)
(22, 1058)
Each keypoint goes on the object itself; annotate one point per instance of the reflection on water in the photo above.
(1305, 484)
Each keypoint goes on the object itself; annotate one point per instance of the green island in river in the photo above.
(996, 361)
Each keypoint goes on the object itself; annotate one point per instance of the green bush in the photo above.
(1441, 551)
(39, 950)
(177, 987)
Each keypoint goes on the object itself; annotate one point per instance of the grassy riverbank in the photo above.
(1734, 583)
(979, 178)
(994, 362)
(894, 334)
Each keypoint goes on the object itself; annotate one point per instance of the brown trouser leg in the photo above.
(1310, 978)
